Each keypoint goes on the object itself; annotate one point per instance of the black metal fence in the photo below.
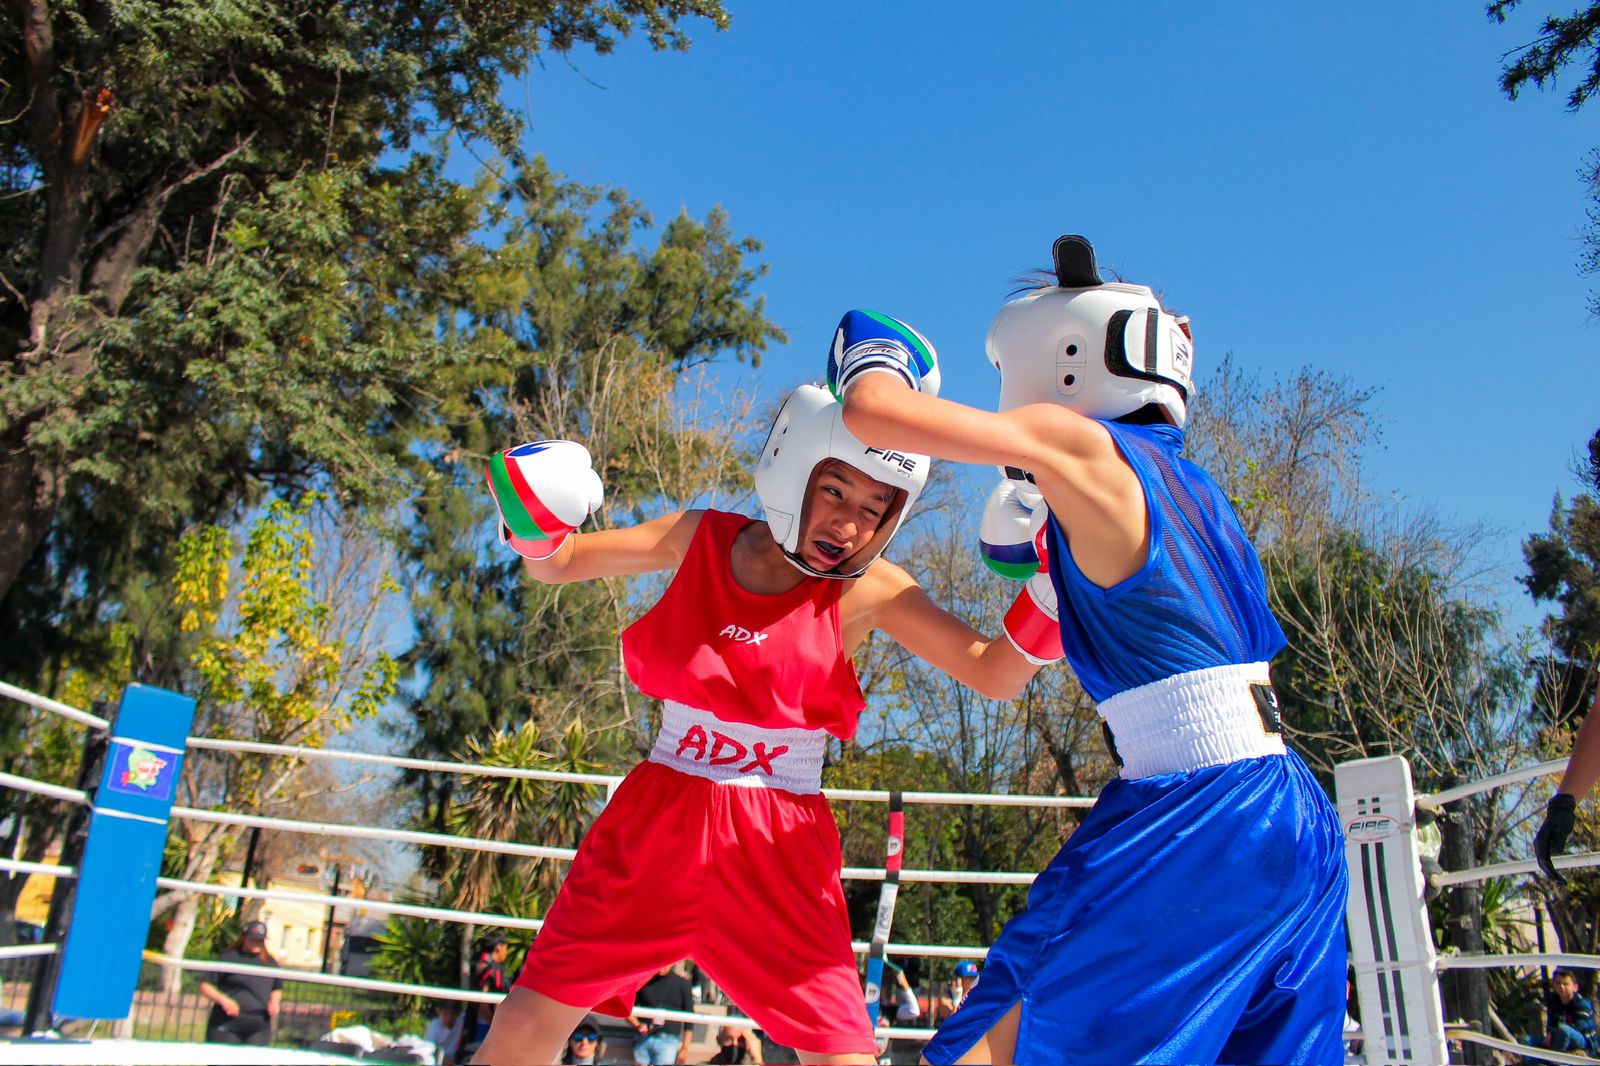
(16, 981)
(309, 1010)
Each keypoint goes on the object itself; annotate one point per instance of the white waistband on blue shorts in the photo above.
(699, 743)
(1188, 721)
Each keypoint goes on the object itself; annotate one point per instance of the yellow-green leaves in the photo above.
(268, 638)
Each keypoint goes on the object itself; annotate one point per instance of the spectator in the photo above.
(1569, 1017)
(488, 975)
(584, 1046)
(966, 977)
(736, 1044)
(661, 1042)
(906, 1007)
(444, 1031)
(243, 1005)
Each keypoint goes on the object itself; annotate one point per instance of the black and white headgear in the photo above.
(1104, 349)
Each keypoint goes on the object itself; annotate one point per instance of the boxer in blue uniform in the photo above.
(1197, 915)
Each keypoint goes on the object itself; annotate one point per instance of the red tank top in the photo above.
(773, 661)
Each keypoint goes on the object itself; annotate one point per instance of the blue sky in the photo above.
(1340, 186)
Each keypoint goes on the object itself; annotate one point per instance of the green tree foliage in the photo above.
(284, 654)
(585, 335)
(1564, 571)
(1564, 42)
(1384, 659)
(224, 261)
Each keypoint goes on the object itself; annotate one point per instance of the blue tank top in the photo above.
(1200, 600)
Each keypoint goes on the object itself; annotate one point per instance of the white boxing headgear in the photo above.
(808, 431)
(1103, 349)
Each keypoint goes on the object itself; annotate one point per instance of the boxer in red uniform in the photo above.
(721, 846)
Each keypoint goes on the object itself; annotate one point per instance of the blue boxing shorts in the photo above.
(1193, 917)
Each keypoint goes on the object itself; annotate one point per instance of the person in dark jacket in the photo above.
(243, 1005)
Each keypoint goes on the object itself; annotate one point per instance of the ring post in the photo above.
(1397, 985)
(110, 919)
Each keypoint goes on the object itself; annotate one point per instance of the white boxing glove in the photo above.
(544, 490)
(1011, 530)
(1033, 624)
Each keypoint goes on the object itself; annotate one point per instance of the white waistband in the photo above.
(1188, 721)
(732, 753)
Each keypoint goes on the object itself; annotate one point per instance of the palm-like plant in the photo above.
(520, 809)
(417, 951)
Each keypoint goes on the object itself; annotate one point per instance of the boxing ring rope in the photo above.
(503, 847)
(1436, 800)
(464, 995)
(608, 782)
(1397, 968)
(44, 788)
(45, 703)
(43, 869)
(28, 951)
(1372, 967)
(1472, 1036)
(416, 910)
(1472, 875)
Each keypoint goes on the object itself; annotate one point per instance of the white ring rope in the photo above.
(44, 788)
(405, 836)
(415, 910)
(1475, 961)
(611, 781)
(462, 994)
(503, 921)
(403, 763)
(1577, 860)
(44, 869)
(1530, 1054)
(1435, 800)
(940, 877)
(412, 836)
(45, 703)
(27, 951)
(982, 799)
(383, 906)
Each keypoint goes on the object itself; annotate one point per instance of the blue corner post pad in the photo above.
(110, 919)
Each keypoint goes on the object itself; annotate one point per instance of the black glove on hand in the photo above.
(1559, 818)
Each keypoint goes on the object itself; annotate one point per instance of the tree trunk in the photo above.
(203, 857)
(177, 942)
(28, 498)
(1465, 992)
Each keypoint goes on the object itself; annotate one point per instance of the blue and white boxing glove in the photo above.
(1011, 531)
(544, 491)
(867, 343)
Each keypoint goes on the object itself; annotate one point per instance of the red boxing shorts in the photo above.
(745, 881)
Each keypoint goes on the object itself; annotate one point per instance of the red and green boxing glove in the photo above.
(544, 491)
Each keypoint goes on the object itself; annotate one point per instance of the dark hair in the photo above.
(1560, 972)
(267, 958)
(495, 940)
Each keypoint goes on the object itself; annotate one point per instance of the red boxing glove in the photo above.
(1033, 624)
